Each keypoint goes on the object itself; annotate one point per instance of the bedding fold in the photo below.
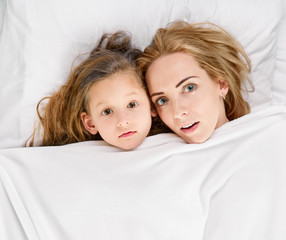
(230, 187)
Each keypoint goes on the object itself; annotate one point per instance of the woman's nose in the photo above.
(180, 108)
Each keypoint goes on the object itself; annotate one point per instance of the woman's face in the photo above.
(187, 100)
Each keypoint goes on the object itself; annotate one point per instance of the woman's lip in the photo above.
(127, 134)
(190, 129)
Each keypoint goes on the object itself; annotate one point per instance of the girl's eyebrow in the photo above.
(134, 93)
(183, 80)
(178, 85)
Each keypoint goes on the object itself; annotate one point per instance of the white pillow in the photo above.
(40, 39)
(279, 81)
(1, 14)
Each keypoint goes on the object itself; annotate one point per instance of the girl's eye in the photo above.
(161, 101)
(132, 105)
(190, 88)
(106, 112)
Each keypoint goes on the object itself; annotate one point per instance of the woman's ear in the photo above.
(88, 123)
(223, 87)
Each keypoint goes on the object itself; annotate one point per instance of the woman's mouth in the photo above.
(190, 128)
(127, 134)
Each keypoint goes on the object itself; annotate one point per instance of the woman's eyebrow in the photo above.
(178, 85)
(155, 94)
(183, 80)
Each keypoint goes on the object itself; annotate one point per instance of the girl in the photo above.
(103, 98)
(195, 74)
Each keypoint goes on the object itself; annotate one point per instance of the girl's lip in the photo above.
(190, 129)
(127, 134)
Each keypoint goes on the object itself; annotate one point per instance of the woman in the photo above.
(195, 74)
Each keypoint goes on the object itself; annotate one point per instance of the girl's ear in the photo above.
(88, 123)
(153, 112)
(223, 87)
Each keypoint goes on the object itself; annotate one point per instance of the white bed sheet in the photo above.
(230, 187)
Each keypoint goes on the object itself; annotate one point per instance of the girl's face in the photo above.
(187, 100)
(119, 109)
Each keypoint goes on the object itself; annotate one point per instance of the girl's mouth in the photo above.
(127, 134)
(190, 128)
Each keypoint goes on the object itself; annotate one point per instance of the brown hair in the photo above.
(216, 51)
(60, 117)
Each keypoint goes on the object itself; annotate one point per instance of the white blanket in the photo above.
(230, 187)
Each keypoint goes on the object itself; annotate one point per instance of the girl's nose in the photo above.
(123, 120)
(123, 123)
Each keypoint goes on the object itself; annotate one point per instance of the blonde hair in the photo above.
(216, 51)
(60, 117)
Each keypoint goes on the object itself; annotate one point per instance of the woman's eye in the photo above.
(132, 105)
(190, 88)
(106, 112)
(161, 101)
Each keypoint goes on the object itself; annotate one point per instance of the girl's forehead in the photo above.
(116, 92)
(130, 76)
(118, 83)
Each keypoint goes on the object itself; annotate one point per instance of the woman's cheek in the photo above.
(164, 115)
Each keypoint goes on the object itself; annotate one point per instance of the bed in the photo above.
(230, 187)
